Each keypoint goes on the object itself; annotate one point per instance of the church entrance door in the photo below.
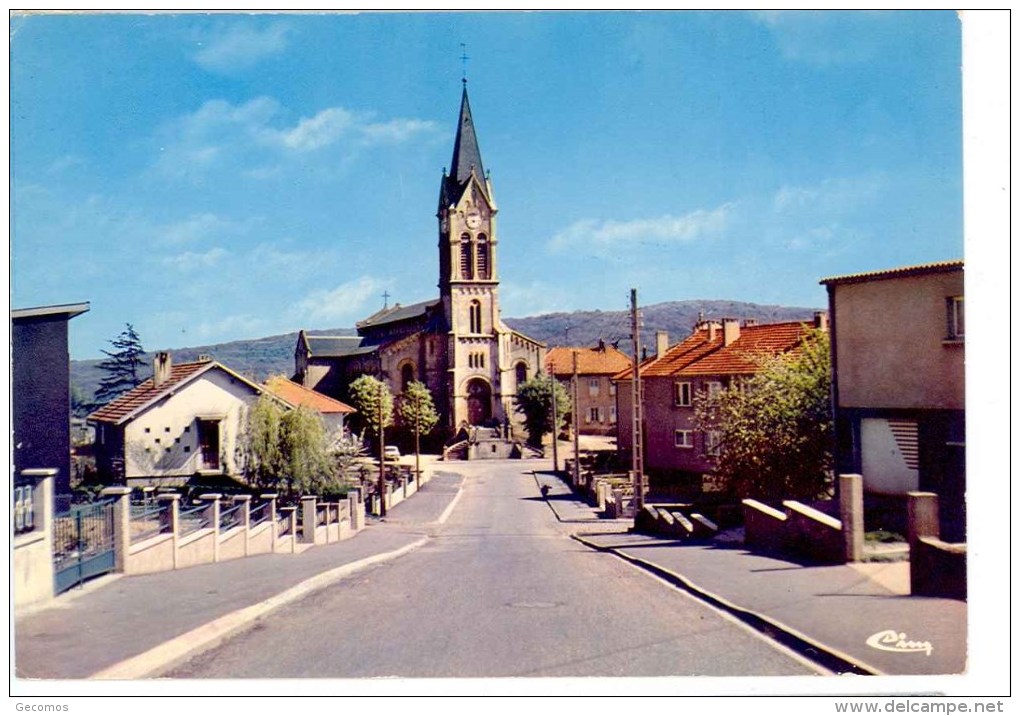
(479, 402)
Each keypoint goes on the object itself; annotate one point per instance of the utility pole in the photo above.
(577, 425)
(637, 451)
(382, 456)
(552, 388)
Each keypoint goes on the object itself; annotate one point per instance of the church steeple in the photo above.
(466, 155)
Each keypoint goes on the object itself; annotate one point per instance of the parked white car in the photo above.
(391, 453)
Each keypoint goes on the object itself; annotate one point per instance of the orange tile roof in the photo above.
(740, 357)
(697, 355)
(590, 361)
(692, 348)
(297, 394)
(144, 393)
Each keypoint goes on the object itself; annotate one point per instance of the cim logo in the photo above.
(892, 640)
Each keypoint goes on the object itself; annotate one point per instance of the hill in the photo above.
(260, 358)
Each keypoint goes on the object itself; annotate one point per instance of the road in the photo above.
(500, 590)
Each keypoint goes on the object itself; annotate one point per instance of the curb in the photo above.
(171, 653)
(826, 656)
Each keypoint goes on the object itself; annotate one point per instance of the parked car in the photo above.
(391, 453)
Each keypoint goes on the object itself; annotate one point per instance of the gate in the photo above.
(82, 544)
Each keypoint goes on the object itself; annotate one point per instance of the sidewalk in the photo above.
(96, 629)
(831, 610)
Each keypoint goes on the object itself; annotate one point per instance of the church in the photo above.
(457, 344)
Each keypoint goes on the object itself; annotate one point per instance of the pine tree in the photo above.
(122, 366)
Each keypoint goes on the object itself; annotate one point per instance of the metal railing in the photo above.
(194, 518)
(149, 520)
(259, 514)
(231, 517)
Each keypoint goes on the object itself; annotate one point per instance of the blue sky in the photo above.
(216, 177)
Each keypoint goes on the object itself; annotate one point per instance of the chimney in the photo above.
(730, 330)
(822, 320)
(602, 345)
(661, 343)
(748, 322)
(160, 369)
(712, 326)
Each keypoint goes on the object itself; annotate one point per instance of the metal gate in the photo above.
(82, 544)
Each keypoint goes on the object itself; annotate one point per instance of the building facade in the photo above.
(41, 390)
(185, 420)
(716, 356)
(898, 383)
(457, 345)
(596, 391)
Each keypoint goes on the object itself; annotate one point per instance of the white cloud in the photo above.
(830, 196)
(319, 131)
(598, 236)
(825, 38)
(199, 227)
(193, 259)
(257, 133)
(343, 303)
(242, 47)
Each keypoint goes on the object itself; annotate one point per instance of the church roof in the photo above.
(397, 313)
(333, 346)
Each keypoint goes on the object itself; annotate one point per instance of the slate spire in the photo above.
(466, 155)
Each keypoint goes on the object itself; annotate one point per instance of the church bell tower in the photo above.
(468, 278)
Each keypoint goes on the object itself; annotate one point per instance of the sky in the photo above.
(209, 178)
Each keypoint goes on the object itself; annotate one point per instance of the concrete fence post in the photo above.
(170, 520)
(270, 497)
(212, 514)
(355, 496)
(851, 516)
(308, 519)
(121, 524)
(922, 516)
(245, 519)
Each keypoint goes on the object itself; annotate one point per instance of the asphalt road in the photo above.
(499, 591)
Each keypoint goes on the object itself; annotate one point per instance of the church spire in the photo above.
(466, 155)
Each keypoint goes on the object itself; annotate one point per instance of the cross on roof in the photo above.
(463, 61)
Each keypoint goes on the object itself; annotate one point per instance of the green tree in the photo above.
(260, 446)
(366, 394)
(534, 401)
(307, 461)
(774, 432)
(418, 414)
(122, 366)
(287, 449)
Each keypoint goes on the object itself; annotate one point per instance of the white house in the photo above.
(184, 421)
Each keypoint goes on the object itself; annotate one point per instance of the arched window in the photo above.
(521, 373)
(406, 376)
(466, 262)
(475, 317)
(483, 257)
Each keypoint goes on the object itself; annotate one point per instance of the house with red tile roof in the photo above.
(183, 421)
(332, 411)
(715, 356)
(596, 392)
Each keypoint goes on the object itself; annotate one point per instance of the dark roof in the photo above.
(334, 346)
(145, 393)
(398, 313)
(67, 309)
(919, 270)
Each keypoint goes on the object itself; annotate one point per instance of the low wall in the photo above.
(197, 548)
(32, 550)
(937, 568)
(152, 555)
(764, 526)
(813, 533)
(232, 544)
